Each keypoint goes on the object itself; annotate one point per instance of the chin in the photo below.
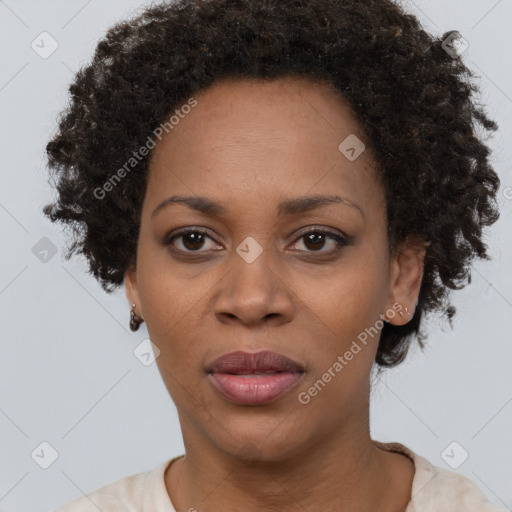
(263, 439)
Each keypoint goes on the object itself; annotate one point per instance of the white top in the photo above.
(434, 489)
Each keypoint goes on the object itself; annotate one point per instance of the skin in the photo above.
(250, 145)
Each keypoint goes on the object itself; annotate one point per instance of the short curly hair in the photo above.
(412, 95)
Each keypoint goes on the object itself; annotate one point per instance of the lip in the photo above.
(254, 378)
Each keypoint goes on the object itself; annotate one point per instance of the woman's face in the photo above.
(256, 280)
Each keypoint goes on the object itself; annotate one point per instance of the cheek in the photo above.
(346, 341)
(175, 307)
(167, 297)
(345, 309)
(351, 298)
(170, 306)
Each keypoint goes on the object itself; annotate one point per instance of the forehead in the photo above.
(256, 139)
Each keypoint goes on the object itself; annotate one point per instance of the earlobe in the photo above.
(131, 290)
(130, 285)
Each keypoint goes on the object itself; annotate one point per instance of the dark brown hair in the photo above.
(413, 97)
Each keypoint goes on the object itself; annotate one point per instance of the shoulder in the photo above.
(439, 489)
(456, 492)
(124, 495)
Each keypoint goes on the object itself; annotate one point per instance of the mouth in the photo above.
(254, 378)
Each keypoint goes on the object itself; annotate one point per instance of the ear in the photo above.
(131, 288)
(405, 280)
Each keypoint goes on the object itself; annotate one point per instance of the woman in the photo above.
(284, 189)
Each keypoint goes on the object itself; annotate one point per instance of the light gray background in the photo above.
(68, 375)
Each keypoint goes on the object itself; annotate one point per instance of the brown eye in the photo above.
(191, 240)
(316, 239)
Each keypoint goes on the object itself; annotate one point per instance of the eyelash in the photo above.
(341, 240)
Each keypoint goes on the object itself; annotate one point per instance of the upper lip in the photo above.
(240, 362)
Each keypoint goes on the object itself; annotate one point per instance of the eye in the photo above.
(315, 239)
(191, 240)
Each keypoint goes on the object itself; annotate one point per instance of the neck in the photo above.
(346, 473)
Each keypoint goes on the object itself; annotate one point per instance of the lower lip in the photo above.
(254, 389)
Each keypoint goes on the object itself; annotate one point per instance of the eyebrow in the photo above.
(285, 208)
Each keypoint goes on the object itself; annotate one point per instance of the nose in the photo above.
(254, 293)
